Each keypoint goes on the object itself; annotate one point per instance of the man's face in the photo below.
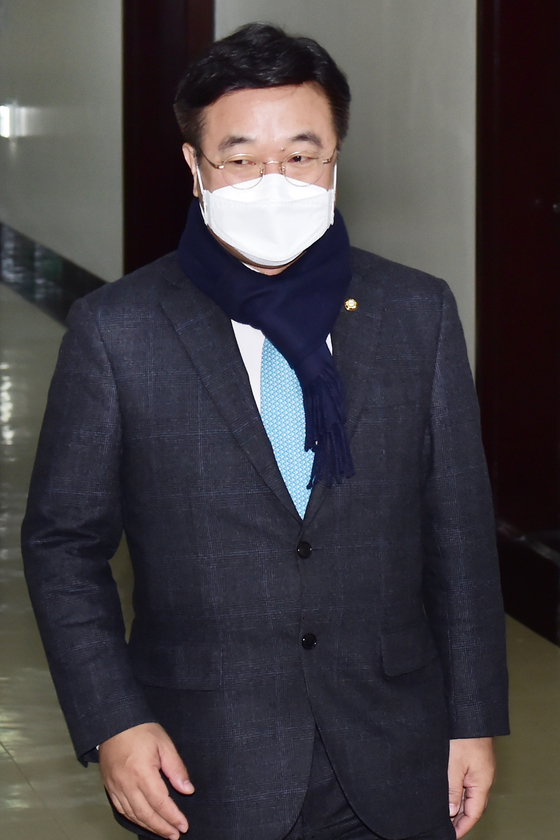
(270, 123)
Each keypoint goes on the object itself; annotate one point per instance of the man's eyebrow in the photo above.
(307, 137)
(234, 140)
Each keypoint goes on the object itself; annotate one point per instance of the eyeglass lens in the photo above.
(302, 168)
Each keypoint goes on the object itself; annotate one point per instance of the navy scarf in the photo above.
(296, 311)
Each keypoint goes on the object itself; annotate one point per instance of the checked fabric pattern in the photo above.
(284, 420)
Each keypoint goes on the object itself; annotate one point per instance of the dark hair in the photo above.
(258, 55)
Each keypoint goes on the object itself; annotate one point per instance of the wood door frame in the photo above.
(160, 37)
(518, 296)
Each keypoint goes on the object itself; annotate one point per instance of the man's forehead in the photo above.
(300, 113)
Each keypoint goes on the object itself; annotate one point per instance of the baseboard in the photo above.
(530, 571)
(42, 277)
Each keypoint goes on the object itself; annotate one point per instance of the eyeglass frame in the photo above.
(264, 163)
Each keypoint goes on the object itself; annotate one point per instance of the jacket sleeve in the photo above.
(71, 530)
(461, 580)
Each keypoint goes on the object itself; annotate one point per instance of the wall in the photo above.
(61, 179)
(407, 171)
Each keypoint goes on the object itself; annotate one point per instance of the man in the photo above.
(318, 633)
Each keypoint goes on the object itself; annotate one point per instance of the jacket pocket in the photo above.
(190, 666)
(407, 649)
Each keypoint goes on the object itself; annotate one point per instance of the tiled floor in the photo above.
(45, 794)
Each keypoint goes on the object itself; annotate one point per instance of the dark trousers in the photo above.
(327, 815)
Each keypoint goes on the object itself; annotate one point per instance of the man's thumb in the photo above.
(455, 799)
(175, 770)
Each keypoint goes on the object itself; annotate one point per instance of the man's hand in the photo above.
(472, 768)
(130, 765)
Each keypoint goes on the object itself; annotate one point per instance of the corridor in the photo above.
(45, 794)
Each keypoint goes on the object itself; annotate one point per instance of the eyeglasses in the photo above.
(246, 171)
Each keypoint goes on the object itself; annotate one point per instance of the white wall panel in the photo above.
(61, 182)
(407, 172)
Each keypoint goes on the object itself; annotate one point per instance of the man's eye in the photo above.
(301, 159)
(242, 162)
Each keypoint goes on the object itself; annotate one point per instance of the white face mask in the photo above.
(271, 223)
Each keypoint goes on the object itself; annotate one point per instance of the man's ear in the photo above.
(190, 156)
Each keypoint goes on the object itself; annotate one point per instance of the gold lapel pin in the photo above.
(350, 305)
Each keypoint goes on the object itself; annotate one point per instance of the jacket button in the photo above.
(304, 549)
(309, 641)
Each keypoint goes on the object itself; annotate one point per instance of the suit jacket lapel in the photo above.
(209, 340)
(354, 337)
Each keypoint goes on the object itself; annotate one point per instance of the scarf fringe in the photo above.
(323, 401)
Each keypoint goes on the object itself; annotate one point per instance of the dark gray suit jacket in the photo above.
(151, 426)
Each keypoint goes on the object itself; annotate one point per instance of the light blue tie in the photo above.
(284, 420)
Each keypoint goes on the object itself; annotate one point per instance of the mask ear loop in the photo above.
(333, 192)
(201, 191)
